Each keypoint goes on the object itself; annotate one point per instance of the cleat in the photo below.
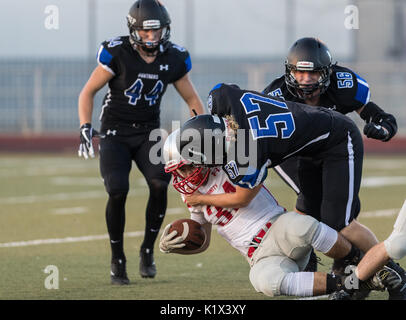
(147, 263)
(355, 295)
(312, 264)
(118, 273)
(339, 295)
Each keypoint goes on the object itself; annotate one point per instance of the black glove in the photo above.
(86, 145)
(376, 131)
(380, 125)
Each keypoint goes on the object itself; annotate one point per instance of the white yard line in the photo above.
(64, 196)
(171, 211)
(313, 298)
(71, 210)
(376, 182)
(65, 240)
(379, 213)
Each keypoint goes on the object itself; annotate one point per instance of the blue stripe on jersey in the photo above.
(362, 94)
(104, 57)
(188, 63)
(218, 85)
(250, 180)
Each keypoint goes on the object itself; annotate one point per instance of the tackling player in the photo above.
(311, 78)
(279, 129)
(137, 69)
(276, 243)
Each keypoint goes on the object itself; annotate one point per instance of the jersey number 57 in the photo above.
(250, 102)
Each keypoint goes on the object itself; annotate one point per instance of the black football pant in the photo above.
(116, 156)
(328, 183)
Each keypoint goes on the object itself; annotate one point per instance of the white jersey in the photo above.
(237, 226)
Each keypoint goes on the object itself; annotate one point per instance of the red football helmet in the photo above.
(187, 178)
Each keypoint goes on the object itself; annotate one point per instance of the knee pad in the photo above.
(300, 230)
(116, 184)
(118, 197)
(157, 186)
(396, 245)
(267, 274)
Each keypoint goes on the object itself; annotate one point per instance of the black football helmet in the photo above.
(146, 15)
(308, 54)
(203, 140)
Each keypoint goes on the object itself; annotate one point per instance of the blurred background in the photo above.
(48, 50)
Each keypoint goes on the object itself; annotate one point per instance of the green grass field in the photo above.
(59, 200)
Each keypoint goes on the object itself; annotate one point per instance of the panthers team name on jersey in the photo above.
(148, 76)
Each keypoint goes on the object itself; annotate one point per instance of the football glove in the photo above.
(86, 145)
(376, 131)
(168, 242)
(380, 125)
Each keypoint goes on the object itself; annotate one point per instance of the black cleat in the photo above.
(147, 263)
(339, 295)
(312, 264)
(118, 272)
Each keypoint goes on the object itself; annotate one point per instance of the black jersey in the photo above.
(347, 91)
(279, 128)
(135, 91)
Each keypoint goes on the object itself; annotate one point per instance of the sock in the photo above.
(352, 258)
(155, 213)
(334, 283)
(115, 219)
(324, 238)
(297, 284)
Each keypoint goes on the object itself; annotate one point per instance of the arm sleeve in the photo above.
(198, 217)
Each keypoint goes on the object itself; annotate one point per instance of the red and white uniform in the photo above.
(237, 226)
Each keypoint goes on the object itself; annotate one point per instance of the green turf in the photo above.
(60, 196)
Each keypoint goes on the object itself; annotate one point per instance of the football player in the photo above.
(275, 243)
(394, 247)
(311, 77)
(137, 68)
(276, 129)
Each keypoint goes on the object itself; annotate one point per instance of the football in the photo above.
(191, 230)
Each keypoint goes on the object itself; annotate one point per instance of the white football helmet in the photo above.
(187, 177)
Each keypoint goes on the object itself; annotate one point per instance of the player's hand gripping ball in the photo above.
(183, 233)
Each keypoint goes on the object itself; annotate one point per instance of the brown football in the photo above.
(194, 233)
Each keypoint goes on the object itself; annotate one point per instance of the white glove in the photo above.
(168, 242)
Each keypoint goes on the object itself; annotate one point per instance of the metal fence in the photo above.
(40, 96)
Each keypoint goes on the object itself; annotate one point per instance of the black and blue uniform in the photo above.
(280, 130)
(346, 93)
(130, 110)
